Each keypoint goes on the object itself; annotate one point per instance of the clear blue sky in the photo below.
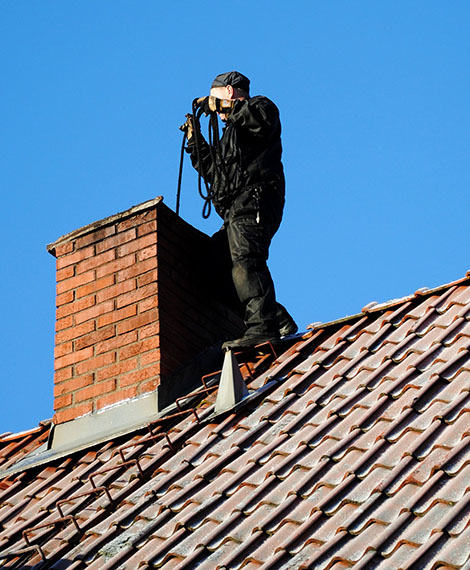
(374, 100)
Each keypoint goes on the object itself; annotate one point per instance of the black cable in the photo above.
(215, 155)
(180, 175)
(207, 197)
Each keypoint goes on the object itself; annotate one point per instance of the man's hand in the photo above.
(223, 106)
(212, 104)
(203, 103)
(188, 127)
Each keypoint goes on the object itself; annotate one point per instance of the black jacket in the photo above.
(251, 152)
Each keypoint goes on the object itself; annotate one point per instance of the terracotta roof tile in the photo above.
(356, 455)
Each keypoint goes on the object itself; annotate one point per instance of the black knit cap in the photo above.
(233, 78)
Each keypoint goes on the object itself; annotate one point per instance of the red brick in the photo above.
(149, 385)
(114, 266)
(146, 278)
(150, 303)
(62, 401)
(65, 273)
(74, 282)
(75, 307)
(147, 228)
(62, 349)
(95, 235)
(137, 269)
(72, 413)
(138, 348)
(96, 261)
(64, 298)
(74, 258)
(72, 333)
(116, 290)
(73, 384)
(96, 363)
(63, 374)
(63, 249)
(136, 245)
(95, 390)
(137, 220)
(94, 337)
(116, 342)
(137, 295)
(139, 375)
(150, 330)
(150, 357)
(95, 286)
(137, 321)
(115, 397)
(93, 312)
(116, 316)
(147, 253)
(62, 324)
(116, 369)
(116, 240)
(73, 358)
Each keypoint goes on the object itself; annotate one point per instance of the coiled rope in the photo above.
(219, 168)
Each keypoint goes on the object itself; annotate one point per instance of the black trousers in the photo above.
(241, 250)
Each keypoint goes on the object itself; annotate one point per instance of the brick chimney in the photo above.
(133, 310)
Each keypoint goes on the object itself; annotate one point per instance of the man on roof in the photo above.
(246, 175)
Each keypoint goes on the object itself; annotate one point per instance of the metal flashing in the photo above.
(232, 387)
(87, 431)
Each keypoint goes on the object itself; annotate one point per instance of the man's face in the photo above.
(221, 93)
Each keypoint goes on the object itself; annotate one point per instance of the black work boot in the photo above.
(287, 325)
(261, 324)
(248, 340)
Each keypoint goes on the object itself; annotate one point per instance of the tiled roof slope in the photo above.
(356, 454)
